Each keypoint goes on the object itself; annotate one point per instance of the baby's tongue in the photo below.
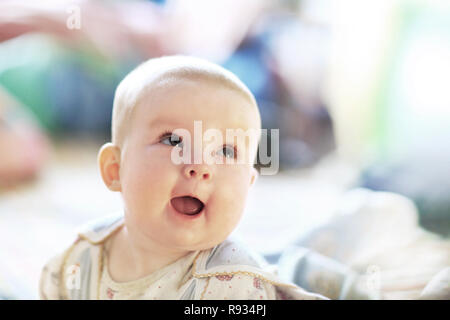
(187, 205)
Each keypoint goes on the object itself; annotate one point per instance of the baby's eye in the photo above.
(228, 152)
(172, 140)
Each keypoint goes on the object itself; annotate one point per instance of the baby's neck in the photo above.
(128, 260)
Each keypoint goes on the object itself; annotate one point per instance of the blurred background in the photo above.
(358, 90)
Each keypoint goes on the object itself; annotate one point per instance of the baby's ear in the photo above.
(109, 165)
(254, 175)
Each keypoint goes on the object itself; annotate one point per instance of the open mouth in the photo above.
(187, 205)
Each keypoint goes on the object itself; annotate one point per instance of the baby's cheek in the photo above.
(139, 180)
(238, 178)
(233, 190)
(146, 169)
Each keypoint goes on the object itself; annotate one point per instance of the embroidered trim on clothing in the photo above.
(102, 240)
(202, 296)
(100, 270)
(232, 273)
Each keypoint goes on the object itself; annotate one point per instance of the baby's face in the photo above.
(150, 180)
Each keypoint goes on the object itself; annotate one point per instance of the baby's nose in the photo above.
(201, 171)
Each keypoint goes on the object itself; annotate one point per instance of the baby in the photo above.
(182, 199)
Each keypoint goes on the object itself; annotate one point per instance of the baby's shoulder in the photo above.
(58, 267)
(232, 252)
(231, 270)
(98, 230)
(77, 263)
(88, 238)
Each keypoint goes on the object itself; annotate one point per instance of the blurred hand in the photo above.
(119, 29)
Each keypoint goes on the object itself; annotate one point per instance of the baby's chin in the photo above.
(199, 244)
(194, 243)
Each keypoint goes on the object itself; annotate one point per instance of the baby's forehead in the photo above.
(172, 83)
(202, 98)
(198, 94)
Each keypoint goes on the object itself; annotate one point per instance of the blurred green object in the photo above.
(411, 105)
(390, 99)
(51, 79)
(412, 114)
(23, 72)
